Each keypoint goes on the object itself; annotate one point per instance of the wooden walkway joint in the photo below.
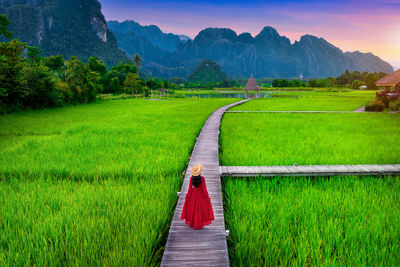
(206, 247)
(310, 170)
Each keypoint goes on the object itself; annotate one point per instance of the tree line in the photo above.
(28, 80)
(353, 80)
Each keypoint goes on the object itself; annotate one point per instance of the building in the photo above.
(252, 86)
(390, 81)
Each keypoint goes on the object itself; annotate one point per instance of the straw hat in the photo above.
(196, 170)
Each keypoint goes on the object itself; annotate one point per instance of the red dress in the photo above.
(197, 210)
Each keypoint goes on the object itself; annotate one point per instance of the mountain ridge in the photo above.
(266, 54)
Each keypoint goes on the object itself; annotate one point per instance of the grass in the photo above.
(258, 139)
(310, 101)
(94, 184)
(337, 221)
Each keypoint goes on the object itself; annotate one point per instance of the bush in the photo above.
(395, 105)
(41, 84)
(376, 105)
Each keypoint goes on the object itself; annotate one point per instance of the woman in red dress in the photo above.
(197, 210)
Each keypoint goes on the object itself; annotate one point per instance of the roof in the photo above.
(252, 85)
(392, 79)
(163, 90)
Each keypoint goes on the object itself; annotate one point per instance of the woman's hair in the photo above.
(196, 180)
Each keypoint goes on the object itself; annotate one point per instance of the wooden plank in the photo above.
(289, 111)
(183, 243)
(311, 170)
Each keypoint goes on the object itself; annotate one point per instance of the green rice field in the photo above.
(259, 139)
(310, 101)
(94, 184)
(303, 221)
(337, 221)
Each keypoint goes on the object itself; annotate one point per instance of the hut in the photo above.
(391, 86)
(252, 86)
(164, 91)
(390, 81)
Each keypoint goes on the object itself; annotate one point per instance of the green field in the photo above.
(297, 221)
(337, 221)
(310, 101)
(258, 139)
(94, 184)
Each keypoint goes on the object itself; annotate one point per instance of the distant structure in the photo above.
(301, 76)
(252, 86)
(163, 91)
(390, 81)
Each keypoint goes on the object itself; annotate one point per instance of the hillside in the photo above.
(207, 71)
(71, 28)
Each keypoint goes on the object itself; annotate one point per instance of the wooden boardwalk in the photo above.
(304, 111)
(206, 247)
(310, 170)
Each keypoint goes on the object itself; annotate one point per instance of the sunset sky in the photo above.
(363, 25)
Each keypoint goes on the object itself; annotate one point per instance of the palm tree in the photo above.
(137, 60)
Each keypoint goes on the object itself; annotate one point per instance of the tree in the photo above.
(115, 85)
(138, 61)
(356, 84)
(4, 23)
(132, 83)
(12, 91)
(81, 81)
(55, 63)
(42, 87)
(96, 65)
(370, 80)
(177, 80)
(33, 54)
(275, 83)
(165, 84)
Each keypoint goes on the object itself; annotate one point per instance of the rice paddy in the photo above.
(298, 221)
(94, 184)
(337, 221)
(261, 139)
(310, 101)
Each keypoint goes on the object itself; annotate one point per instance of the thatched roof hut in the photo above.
(390, 80)
(252, 85)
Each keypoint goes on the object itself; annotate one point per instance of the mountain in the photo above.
(207, 71)
(184, 38)
(165, 41)
(268, 54)
(318, 58)
(71, 28)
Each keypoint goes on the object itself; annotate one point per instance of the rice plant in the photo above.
(94, 184)
(337, 221)
(310, 101)
(258, 139)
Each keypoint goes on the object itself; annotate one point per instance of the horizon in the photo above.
(354, 25)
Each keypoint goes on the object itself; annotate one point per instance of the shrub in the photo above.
(41, 84)
(376, 105)
(395, 105)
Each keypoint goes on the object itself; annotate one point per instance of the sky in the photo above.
(352, 25)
